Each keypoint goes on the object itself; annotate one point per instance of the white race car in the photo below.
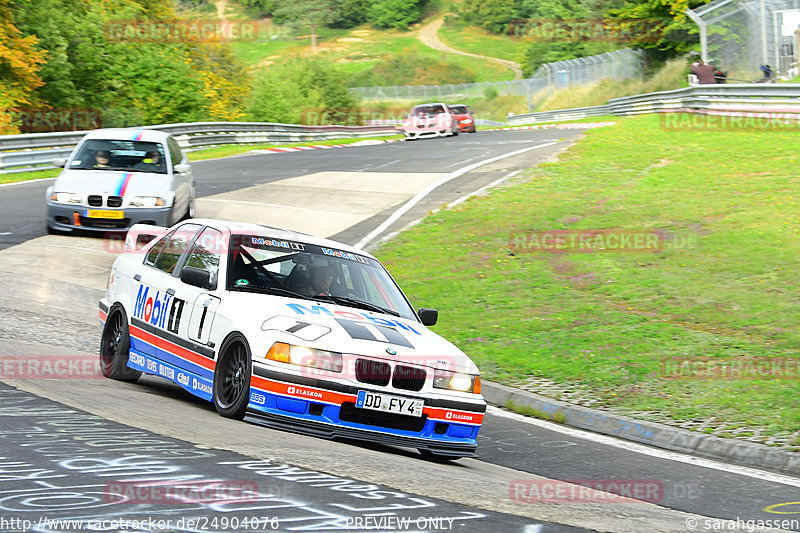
(115, 178)
(430, 120)
(299, 332)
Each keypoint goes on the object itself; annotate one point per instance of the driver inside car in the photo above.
(319, 281)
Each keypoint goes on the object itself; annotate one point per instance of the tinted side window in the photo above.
(176, 244)
(152, 255)
(205, 253)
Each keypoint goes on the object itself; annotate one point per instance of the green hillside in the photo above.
(144, 62)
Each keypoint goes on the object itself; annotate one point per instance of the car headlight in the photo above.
(458, 381)
(66, 197)
(300, 355)
(466, 121)
(147, 201)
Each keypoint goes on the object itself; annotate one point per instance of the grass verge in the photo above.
(557, 416)
(28, 176)
(723, 287)
(671, 76)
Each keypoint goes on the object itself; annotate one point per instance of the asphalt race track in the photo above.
(71, 448)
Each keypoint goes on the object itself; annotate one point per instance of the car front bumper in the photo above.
(66, 217)
(327, 409)
(419, 134)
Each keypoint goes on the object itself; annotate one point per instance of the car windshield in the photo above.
(259, 263)
(427, 110)
(459, 109)
(132, 156)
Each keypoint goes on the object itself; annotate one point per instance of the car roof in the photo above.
(246, 228)
(432, 104)
(129, 134)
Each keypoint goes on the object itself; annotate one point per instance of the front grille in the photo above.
(373, 372)
(350, 413)
(110, 223)
(95, 200)
(114, 201)
(408, 378)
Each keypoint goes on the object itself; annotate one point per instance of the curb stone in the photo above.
(729, 451)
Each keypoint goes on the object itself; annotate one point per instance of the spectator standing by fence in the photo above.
(704, 73)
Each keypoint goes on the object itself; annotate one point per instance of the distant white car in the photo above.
(119, 177)
(430, 120)
(302, 333)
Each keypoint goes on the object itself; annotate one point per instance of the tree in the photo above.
(351, 13)
(134, 81)
(20, 62)
(675, 36)
(262, 8)
(301, 91)
(311, 13)
(396, 13)
(494, 15)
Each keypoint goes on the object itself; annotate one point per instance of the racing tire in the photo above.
(232, 378)
(115, 345)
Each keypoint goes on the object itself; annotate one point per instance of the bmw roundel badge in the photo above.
(391, 351)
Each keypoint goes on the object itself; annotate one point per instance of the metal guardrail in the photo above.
(36, 151)
(730, 99)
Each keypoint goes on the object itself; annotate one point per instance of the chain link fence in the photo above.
(617, 65)
(742, 35)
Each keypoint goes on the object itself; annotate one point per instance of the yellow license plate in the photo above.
(100, 213)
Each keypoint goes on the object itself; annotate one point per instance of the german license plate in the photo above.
(101, 213)
(388, 403)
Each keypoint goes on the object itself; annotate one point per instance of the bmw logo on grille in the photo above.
(391, 351)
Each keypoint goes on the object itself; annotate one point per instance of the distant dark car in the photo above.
(463, 115)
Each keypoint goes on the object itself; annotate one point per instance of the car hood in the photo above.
(112, 182)
(438, 122)
(327, 326)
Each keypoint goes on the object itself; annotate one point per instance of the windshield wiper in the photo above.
(353, 302)
(273, 290)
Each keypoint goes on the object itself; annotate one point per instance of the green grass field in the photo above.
(724, 286)
(479, 41)
(359, 50)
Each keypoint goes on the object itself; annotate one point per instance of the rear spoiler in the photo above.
(140, 235)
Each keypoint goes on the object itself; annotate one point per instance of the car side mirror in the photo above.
(183, 168)
(196, 277)
(429, 317)
(59, 162)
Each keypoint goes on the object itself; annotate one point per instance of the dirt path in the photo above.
(221, 5)
(427, 34)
